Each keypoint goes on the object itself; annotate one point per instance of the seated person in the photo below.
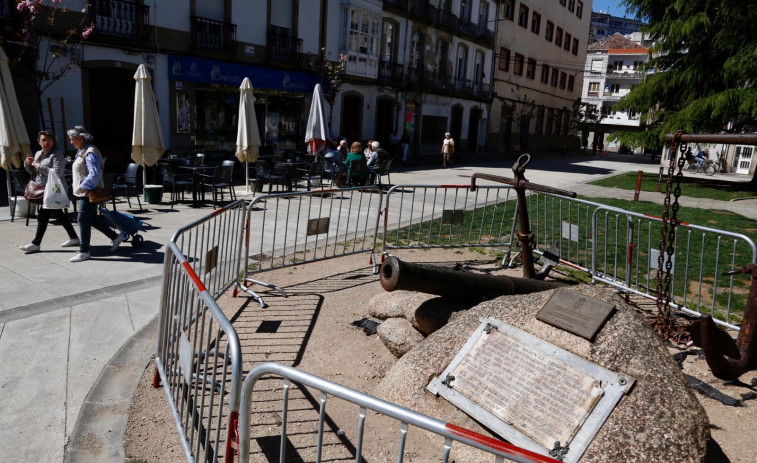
(378, 155)
(703, 156)
(334, 156)
(355, 154)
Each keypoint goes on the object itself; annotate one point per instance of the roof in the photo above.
(614, 42)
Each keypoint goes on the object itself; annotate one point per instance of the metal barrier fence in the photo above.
(499, 450)
(564, 223)
(198, 360)
(626, 251)
(213, 245)
(431, 216)
(297, 228)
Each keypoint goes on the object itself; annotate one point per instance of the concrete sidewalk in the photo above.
(75, 337)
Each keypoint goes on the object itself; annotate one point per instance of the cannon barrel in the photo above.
(396, 274)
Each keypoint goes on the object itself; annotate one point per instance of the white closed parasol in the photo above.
(14, 140)
(316, 134)
(147, 137)
(248, 135)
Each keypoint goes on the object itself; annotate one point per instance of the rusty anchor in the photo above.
(729, 359)
(525, 237)
(396, 274)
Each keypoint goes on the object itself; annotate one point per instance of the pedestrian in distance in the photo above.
(87, 171)
(448, 149)
(405, 144)
(39, 166)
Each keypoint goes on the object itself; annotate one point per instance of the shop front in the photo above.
(206, 105)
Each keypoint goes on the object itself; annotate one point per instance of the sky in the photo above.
(612, 5)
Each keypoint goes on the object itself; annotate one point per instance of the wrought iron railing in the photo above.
(284, 47)
(484, 35)
(390, 72)
(216, 35)
(122, 18)
(398, 5)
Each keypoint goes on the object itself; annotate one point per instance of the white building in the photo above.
(612, 69)
(604, 25)
(541, 49)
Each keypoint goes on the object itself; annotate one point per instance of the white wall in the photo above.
(171, 14)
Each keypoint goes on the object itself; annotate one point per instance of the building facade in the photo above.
(612, 68)
(424, 66)
(541, 50)
(604, 25)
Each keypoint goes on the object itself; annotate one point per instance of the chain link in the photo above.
(663, 323)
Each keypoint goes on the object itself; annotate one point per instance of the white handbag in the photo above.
(56, 196)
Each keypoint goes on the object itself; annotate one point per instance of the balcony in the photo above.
(466, 28)
(447, 20)
(122, 18)
(396, 5)
(390, 72)
(284, 47)
(624, 75)
(424, 11)
(484, 36)
(212, 34)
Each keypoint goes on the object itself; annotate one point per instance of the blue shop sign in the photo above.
(207, 71)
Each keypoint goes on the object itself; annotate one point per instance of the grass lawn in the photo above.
(693, 186)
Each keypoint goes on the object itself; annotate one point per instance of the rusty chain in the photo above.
(662, 323)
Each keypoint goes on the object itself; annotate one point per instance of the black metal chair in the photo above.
(19, 179)
(381, 170)
(267, 173)
(197, 160)
(357, 172)
(179, 183)
(126, 183)
(220, 179)
(312, 175)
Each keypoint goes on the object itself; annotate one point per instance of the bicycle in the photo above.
(707, 167)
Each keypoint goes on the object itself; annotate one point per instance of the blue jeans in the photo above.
(88, 218)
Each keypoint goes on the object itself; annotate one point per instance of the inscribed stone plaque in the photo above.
(575, 313)
(530, 392)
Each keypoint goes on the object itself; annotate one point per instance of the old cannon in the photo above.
(396, 274)
(729, 359)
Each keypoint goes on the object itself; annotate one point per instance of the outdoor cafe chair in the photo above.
(378, 171)
(267, 173)
(126, 183)
(220, 179)
(179, 183)
(312, 174)
(197, 160)
(19, 179)
(357, 172)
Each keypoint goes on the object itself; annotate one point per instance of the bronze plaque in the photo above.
(575, 313)
(211, 259)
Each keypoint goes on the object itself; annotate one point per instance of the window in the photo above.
(563, 80)
(483, 14)
(615, 88)
(518, 64)
(361, 40)
(508, 9)
(504, 59)
(574, 50)
(465, 10)
(636, 65)
(462, 60)
(523, 16)
(593, 88)
(441, 58)
(531, 68)
(571, 5)
(535, 22)
(596, 66)
(553, 81)
(580, 9)
(544, 73)
(549, 31)
(558, 37)
(562, 2)
(571, 83)
(567, 42)
(388, 42)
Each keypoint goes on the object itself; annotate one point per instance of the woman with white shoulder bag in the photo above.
(44, 162)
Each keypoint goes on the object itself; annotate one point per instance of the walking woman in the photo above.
(87, 175)
(448, 149)
(39, 166)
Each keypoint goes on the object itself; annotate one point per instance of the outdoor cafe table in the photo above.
(196, 171)
(290, 169)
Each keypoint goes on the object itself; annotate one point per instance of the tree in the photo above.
(332, 74)
(49, 37)
(705, 69)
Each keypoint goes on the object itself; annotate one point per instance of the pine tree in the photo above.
(705, 69)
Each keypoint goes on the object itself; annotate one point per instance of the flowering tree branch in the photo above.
(332, 73)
